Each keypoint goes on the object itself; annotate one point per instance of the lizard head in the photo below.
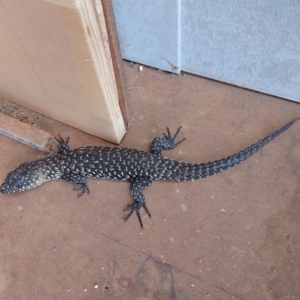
(25, 177)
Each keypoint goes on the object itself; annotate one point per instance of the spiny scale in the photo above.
(124, 164)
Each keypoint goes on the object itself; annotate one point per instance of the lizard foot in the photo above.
(171, 139)
(62, 145)
(165, 143)
(83, 188)
(135, 206)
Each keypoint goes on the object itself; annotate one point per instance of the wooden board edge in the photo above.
(117, 61)
(94, 26)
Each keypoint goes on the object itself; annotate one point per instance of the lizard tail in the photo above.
(187, 171)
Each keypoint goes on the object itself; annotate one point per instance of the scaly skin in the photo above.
(124, 164)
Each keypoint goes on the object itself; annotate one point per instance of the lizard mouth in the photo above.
(3, 190)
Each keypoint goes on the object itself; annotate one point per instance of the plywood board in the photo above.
(55, 59)
(114, 45)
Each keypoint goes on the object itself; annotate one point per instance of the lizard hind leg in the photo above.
(137, 185)
(166, 143)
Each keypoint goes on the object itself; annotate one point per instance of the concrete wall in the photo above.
(253, 44)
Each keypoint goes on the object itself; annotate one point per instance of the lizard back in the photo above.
(123, 164)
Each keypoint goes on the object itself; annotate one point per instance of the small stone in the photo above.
(183, 207)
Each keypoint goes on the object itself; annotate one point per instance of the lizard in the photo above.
(138, 167)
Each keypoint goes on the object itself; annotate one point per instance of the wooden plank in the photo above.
(116, 55)
(55, 59)
(26, 134)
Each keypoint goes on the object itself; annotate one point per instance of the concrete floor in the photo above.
(230, 236)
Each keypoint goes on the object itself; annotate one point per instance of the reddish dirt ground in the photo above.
(230, 236)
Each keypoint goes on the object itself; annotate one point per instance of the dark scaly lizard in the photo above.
(125, 164)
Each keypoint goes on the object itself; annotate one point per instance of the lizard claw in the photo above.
(82, 189)
(135, 206)
(171, 140)
(62, 145)
(165, 143)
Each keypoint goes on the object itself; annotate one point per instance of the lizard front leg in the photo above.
(62, 145)
(79, 180)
